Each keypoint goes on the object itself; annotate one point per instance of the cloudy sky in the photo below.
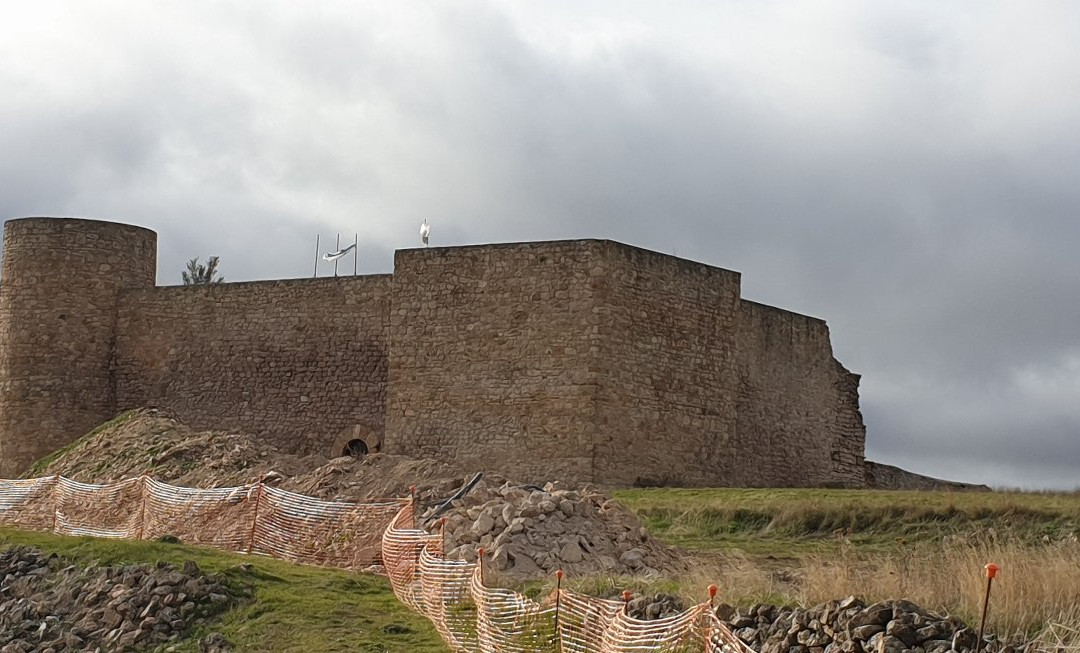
(909, 171)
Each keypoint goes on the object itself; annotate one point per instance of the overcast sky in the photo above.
(908, 171)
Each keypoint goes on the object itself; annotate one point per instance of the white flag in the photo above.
(333, 256)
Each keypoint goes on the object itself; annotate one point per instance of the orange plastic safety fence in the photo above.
(673, 634)
(28, 503)
(472, 617)
(447, 599)
(251, 518)
(220, 518)
(508, 622)
(330, 533)
(583, 620)
(113, 510)
(401, 547)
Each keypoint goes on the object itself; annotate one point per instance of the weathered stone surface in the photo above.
(583, 361)
(57, 324)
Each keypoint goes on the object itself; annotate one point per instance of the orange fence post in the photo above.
(991, 572)
(480, 563)
(708, 631)
(558, 601)
(626, 596)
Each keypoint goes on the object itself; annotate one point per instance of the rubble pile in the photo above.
(851, 626)
(48, 604)
(377, 476)
(529, 531)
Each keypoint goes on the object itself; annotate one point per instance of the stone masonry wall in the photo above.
(58, 298)
(492, 364)
(667, 402)
(798, 417)
(296, 361)
(584, 361)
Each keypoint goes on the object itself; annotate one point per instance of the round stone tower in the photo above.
(59, 292)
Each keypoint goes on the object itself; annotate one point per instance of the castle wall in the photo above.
(493, 358)
(797, 407)
(584, 361)
(296, 361)
(667, 401)
(58, 300)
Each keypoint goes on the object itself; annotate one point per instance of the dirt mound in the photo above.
(153, 442)
(377, 476)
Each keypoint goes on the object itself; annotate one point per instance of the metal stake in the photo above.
(991, 572)
(558, 601)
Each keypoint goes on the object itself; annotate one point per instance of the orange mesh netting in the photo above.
(509, 622)
(332, 533)
(28, 503)
(447, 599)
(401, 547)
(250, 518)
(473, 617)
(220, 518)
(113, 510)
(583, 620)
(260, 519)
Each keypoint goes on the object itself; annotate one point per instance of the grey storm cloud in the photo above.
(907, 172)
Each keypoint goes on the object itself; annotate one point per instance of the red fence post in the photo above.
(142, 508)
(991, 572)
(708, 629)
(558, 602)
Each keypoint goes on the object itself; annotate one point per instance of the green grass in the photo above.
(795, 522)
(290, 607)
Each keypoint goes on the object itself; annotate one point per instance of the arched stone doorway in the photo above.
(356, 440)
(355, 448)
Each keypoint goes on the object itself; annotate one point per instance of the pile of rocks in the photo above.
(47, 604)
(851, 626)
(529, 531)
(652, 607)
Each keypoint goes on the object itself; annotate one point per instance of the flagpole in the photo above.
(337, 250)
(355, 252)
(316, 273)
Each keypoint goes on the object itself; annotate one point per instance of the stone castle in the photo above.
(584, 360)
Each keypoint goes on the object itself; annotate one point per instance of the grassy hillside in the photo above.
(797, 522)
(292, 608)
(809, 546)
